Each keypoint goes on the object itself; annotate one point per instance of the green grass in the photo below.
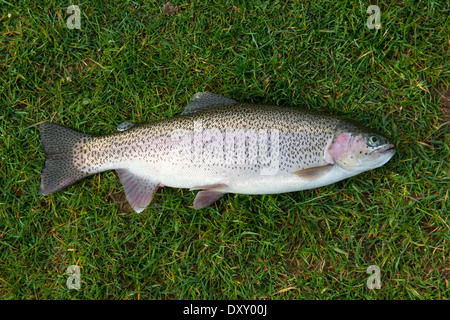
(130, 61)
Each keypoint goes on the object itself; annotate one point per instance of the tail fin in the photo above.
(59, 171)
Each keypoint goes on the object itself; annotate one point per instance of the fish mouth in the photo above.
(389, 148)
(386, 149)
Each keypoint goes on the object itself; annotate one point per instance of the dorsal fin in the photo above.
(203, 100)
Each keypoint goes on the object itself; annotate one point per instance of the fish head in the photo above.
(360, 151)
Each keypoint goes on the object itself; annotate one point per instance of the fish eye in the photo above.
(373, 141)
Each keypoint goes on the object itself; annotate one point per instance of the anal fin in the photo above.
(138, 190)
(208, 195)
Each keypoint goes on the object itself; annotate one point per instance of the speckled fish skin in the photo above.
(217, 146)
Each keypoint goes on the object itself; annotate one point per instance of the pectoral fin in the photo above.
(314, 173)
(138, 190)
(208, 195)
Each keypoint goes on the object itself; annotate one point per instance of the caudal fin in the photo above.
(59, 171)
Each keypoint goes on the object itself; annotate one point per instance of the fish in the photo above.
(216, 146)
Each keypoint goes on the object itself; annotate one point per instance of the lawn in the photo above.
(141, 61)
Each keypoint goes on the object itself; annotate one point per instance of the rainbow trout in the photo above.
(217, 146)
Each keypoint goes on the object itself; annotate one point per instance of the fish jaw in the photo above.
(388, 149)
